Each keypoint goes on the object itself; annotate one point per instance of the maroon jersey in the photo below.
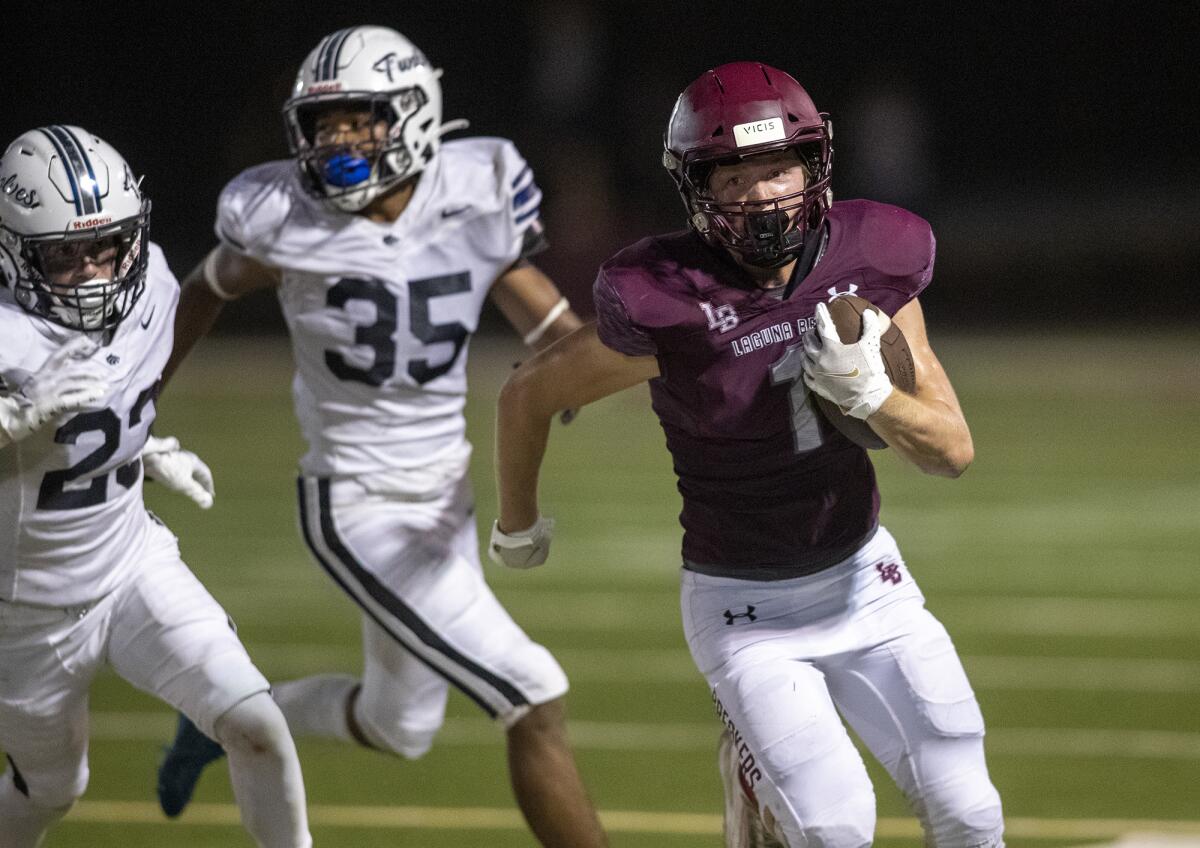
(769, 488)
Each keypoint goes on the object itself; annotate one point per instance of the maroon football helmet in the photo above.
(739, 110)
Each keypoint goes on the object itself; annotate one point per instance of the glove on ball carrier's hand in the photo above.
(853, 358)
(524, 548)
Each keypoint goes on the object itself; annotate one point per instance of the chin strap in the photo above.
(814, 249)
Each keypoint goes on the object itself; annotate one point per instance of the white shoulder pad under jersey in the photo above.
(72, 520)
(380, 314)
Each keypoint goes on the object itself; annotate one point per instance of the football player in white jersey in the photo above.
(87, 575)
(383, 244)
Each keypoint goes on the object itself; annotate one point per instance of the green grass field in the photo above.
(1064, 563)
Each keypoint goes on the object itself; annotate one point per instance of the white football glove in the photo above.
(68, 381)
(179, 470)
(523, 549)
(850, 375)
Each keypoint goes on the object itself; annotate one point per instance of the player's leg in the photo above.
(546, 780)
(49, 658)
(795, 761)
(265, 771)
(910, 702)
(414, 569)
(171, 639)
(397, 706)
(744, 826)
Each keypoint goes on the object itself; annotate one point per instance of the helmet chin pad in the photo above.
(88, 306)
(345, 169)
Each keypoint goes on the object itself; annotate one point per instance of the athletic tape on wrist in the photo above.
(532, 337)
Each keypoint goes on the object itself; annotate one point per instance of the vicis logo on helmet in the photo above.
(758, 132)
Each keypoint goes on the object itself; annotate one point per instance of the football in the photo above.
(846, 312)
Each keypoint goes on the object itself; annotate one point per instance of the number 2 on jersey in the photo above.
(380, 335)
(53, 493)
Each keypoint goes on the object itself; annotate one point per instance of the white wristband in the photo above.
(210, 276)
(532, 337)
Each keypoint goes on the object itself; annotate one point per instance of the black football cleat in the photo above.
(180, 769)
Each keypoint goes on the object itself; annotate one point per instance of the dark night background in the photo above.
(1053, 146)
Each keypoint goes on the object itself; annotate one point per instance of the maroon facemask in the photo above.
(738, 110)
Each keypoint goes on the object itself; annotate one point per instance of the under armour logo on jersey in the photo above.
(731, 616)
(850, 289)
(889, 572)
(723, 318)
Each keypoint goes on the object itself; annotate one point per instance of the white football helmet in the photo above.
(62, 190)
(377, 68)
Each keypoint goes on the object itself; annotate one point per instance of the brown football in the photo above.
(846, 312)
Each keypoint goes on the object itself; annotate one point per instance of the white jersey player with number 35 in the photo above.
(87, 575)
(383, 244)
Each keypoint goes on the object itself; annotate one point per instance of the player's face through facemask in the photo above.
(758, 199)
(78, 276)
(348, 141)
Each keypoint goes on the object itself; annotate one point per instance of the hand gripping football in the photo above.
(846, 312)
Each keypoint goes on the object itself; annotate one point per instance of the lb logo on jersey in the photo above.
(722, 319)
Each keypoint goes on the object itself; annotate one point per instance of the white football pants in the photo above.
(162, 631)
(430, 619)
(784, 657)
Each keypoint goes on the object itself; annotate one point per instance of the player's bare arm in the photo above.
(578, 370)
(927, 427)
(533, 305)
(223, 275)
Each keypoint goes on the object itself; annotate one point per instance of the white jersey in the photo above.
(72, 520)
(380, 314)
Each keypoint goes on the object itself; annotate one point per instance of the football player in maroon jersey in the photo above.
(797, 604)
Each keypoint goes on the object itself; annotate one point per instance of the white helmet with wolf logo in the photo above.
(378, 68)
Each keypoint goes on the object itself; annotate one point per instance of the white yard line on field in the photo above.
(617, 821)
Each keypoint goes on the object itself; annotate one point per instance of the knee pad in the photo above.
(26, 815)
(384, 728)
(253, 726)
(812, 779)
(850, 824)
(54, 792)
(974, 820)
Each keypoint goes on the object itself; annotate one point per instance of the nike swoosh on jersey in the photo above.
(146, 324)
(450, 213)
